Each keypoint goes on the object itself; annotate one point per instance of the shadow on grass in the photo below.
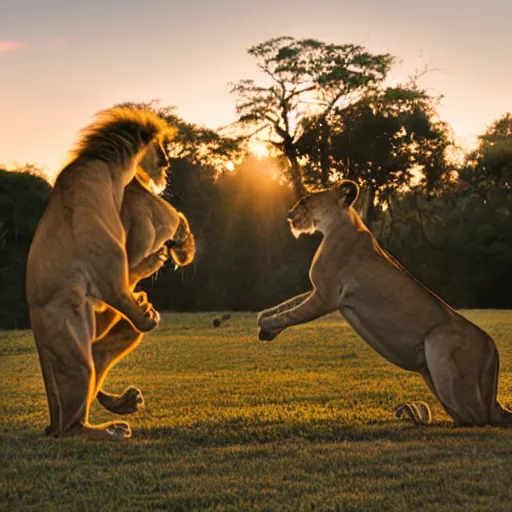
(209, 434)
(222, 434)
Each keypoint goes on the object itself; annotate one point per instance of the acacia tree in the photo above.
(388, 140)
(304, 76)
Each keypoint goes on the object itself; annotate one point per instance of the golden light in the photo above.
(230, 166)
(259, 149)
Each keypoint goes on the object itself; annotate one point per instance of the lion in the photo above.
(394, 313)
(155, 233)
(77, 262)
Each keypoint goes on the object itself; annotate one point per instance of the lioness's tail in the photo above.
(119, 134)
(418, 412)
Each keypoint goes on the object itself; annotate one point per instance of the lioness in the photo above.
(77, 263)
(395, 314)
(155, 232)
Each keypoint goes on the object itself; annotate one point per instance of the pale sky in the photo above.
(63, 60)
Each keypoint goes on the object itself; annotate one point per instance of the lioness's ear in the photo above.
(347, 192)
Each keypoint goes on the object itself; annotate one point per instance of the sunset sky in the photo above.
(62, 60)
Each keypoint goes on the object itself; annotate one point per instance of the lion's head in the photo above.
(316, 211)
(152, 170)
(124, 136)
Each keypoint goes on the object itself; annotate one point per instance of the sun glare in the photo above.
(259, 149)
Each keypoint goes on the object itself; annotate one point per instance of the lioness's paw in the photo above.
(264, 335)
(141, 298)
(151, 319)
(162, 255)
(267, 328)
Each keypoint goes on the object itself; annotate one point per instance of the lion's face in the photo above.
(155, 163)
(316, 211)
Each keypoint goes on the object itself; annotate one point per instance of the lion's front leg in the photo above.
(311, 307)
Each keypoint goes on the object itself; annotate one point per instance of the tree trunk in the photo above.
(295, 170)
(370, 208)
(296, 178)
(324, 153)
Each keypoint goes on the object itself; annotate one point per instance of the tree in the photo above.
(23, 196)
(489, 166)
(246, 257)
(304, 76)
(389, 140)
(196, 144)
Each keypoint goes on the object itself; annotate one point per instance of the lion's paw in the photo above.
(119, 430)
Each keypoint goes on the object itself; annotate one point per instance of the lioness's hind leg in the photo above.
(459, 366)
(120, 341)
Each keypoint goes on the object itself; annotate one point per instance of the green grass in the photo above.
(231, 423)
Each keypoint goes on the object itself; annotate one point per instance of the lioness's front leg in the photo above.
(150, 265)
(312, 307)
(284, 306)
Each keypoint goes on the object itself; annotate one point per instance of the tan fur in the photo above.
(77, 264)
(395, 314)
(151, 225)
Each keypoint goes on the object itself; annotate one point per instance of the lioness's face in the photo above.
(155, 163)
(317, 211)
(307, 214)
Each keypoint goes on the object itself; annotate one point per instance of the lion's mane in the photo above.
(119, 134)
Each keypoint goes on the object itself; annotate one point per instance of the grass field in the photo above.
(231, 423)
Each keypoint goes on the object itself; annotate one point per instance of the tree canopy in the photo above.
(23, 197)
(328, 113)
(305, 77)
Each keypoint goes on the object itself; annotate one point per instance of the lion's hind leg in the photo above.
(121, 340)
(63, 341)
(459, 368)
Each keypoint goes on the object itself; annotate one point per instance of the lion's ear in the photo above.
(347, 192)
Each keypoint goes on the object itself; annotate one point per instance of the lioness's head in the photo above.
(182, 247)
(153, 167)
(316, 211)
